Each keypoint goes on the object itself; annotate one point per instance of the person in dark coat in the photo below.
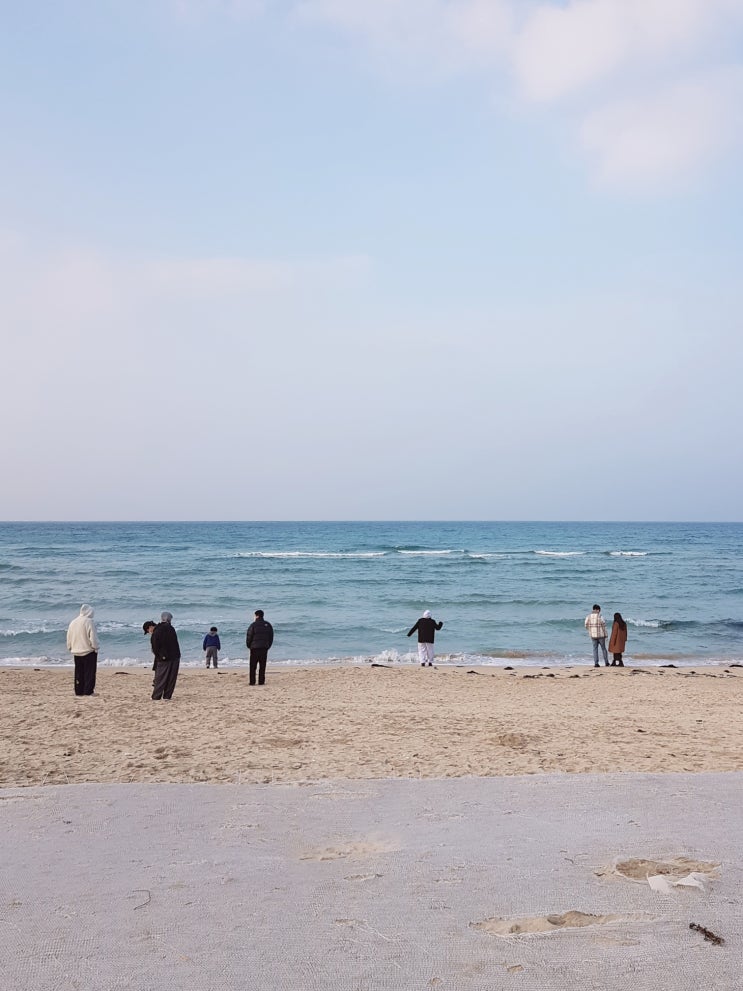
(426, 628)
(148, 628)
(258, 640)
(167, 653)
(618, 640)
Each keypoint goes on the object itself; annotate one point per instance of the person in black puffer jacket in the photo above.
(426, 628)
(258, 640)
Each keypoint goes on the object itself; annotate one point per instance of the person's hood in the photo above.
(427, 614)
(87, 611)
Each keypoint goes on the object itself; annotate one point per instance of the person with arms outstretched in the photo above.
(426, 627)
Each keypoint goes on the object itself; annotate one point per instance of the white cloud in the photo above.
(445, 34)
(671, 133)
(636, 84)
(628, 78)
(563, 49)
(71, 292)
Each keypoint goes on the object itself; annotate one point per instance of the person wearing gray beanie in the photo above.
(167, 653)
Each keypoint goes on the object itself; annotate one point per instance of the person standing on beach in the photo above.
(259, 640)
(597, 632)
(82, 643)
(212, 646)
(148, 628)
(167, 653)
(426, 627)
(618, 640)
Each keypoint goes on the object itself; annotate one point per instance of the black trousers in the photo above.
(86, 666)
(166, 675)
(258, 658)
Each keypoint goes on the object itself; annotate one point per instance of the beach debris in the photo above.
(473, 672)
(707, 933)
(664, 875)
(508, 669)
(142, 891)
(668, 665)
(388, 666)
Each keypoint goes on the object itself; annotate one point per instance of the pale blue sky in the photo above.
(319, 259)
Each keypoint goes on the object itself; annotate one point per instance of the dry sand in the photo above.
(368, 723)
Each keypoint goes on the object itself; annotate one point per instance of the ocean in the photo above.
(508, 593)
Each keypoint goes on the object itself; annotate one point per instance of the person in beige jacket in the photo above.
(597, 632)
(82, 643)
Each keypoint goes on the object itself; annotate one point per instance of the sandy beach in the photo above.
(307, 725)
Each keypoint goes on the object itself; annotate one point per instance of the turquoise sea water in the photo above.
(507, 592)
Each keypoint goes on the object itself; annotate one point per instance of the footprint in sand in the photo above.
(548, 923)
(361, 848)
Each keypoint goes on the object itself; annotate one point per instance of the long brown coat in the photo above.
(618, 640)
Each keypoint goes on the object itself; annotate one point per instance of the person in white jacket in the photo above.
(82, 643)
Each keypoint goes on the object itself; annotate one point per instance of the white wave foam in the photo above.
(485, 556)
(654, 624)
(429, 553)
(311, 554)
(628, 553)
(23, 630)
(560, 553)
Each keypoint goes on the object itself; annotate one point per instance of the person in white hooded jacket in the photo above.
(82, 643)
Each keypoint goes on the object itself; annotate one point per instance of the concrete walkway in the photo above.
(366, 885)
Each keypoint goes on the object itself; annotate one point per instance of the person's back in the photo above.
(259, 635)
(595, 624)
(596, 627)
(82, 643)
(165, 644)
(81, 633)
(426, 627)
(258, 640)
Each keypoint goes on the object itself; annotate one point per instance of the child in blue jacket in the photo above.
(212, 646)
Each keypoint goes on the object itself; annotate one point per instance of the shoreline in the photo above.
(497, 662)
(363, 722)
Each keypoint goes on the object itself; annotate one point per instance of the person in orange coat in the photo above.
(618, 640)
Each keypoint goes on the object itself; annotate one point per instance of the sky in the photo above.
(371, 259)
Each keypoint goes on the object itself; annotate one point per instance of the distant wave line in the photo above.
(560, 553)
(311, 554)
